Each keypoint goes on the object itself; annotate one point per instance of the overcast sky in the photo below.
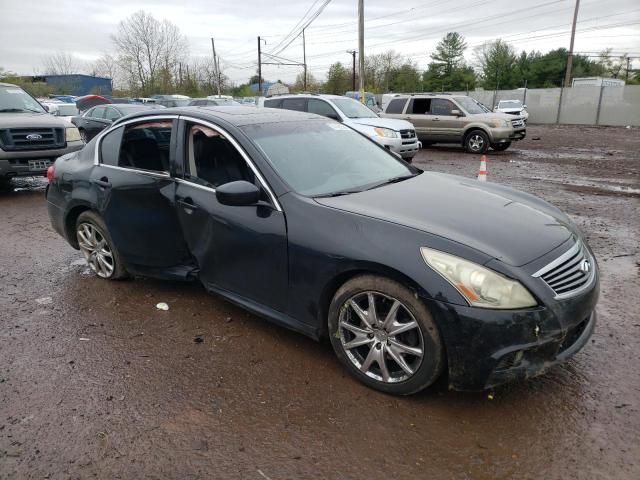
(30, 30)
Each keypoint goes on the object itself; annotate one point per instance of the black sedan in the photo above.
(311, 225)
(97, 118)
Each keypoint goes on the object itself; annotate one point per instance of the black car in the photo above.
(313, 226)
(97, 118)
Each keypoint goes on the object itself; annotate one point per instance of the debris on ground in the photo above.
(199, 339)
(44, 301)
(162, 306)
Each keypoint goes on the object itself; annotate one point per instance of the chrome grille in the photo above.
(408, 133)
(570, 272)
(517, 123)
(12, 139)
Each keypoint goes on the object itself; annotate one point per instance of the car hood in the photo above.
(391, 123)
(507, 110)
(30, 120)
(511, 226)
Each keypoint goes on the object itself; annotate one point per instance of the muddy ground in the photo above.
(97, 383)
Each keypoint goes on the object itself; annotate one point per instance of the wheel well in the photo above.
(70, 223)
(470, 131)
(343, 277)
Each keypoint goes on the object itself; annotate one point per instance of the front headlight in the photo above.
(71, 134)
(386, 132)
(500, 123)
(481, 286)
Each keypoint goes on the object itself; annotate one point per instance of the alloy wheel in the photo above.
(380, 337)
(96, 250)
(476, 142)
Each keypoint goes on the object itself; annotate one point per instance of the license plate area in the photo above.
(39, 165)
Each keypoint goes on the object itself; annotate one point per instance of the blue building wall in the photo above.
(79, 84)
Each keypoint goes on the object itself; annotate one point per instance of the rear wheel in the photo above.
(476, 141)
(501, 147)
(97, 247)
(83, 135)
(385, 336)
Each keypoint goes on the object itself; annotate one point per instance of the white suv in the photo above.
(398, 136)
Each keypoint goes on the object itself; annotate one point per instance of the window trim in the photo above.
(329, 104)
(453, 105)
(244, 155)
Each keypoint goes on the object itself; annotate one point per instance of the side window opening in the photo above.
(396, 105)
(273, 103)
(440, 106)
(212, 160)
(320, 107)
(110, 147)
(146, 145)
(420, 106)
(297, 104)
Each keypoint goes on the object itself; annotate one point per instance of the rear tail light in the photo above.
(51, 172)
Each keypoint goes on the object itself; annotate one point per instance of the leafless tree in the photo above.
(149, 51)
(62, 63)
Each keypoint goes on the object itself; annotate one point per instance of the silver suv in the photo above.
(444, 118)
(398, 136)
(30, 138)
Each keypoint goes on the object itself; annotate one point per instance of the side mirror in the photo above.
(46, 108)
(456, 112)
(495, 106)
(334, 116)
(238, 193)
(524, 106)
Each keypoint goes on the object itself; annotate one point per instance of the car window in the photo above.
(112, 114)
(212, 160)
(110, 147)
(145, 146)
(440, 106)
(320, 107)
(396, 105)
(98, 112)
(273, 103)
(419, 106)
(297, 104)
(14, 99)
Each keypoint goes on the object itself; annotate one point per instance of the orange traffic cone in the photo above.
(482, 174)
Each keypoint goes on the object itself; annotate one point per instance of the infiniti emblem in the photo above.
(34, 136)
(585, 266)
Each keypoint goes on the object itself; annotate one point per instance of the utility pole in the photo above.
(259, 69)
(626, 76)
(216, 66)
(361, 47)
(353, 71)
(567, 76)
(304, 59)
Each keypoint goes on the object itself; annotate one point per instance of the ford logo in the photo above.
(34, 136)
(585, 266)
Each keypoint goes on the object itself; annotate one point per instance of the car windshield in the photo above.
(224, 101)
(16, 100)
(180, 102)
(510, 104)
(469, 105)
(67, 110)
(321, 158)
(352, 108)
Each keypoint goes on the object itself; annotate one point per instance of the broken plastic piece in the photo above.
(162, 306)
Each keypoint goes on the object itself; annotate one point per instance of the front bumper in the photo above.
(504, 135)
(32, 162)
(486, 348)
(406, 148)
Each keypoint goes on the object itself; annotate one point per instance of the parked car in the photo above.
(445, 118)
(211, 102)
(89, 101)
(369, 100)
(512, 107)
(30, 138)
(96, 119)
(66, 111)
(172, 100)
(398, 136)
(312, 225)
(64, 98)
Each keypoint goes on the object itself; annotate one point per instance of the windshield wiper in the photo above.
(18, 110)
(338, 193)
(397, 179)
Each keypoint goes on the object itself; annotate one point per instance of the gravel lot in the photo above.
(97, 383)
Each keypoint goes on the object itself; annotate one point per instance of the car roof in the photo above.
(8, 85)
(328, 96)
(235, 115)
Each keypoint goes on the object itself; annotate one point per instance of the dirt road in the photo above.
(97, 383)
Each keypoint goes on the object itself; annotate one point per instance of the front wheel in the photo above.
(476, 142)
(97, 247)
(501, 147)
(385, 336)
(83, 135)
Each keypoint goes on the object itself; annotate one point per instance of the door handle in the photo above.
(187, 204)
(103, 182)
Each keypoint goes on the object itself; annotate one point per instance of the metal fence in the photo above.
(576, 105)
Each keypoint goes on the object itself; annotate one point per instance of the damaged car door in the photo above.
(239, 248)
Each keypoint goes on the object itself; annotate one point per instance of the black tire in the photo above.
(501, 147)
(88, 220)
(408, 159)
(476, 141)
(425, 368)
(83, 135)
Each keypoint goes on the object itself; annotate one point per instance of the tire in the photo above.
(97, 247)
(476, 141)
(368, 348)
(83, 135)
(408, 159)
(501, 147)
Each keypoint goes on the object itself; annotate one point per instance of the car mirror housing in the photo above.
(456, 112)
(238, 193)
(524, 106)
